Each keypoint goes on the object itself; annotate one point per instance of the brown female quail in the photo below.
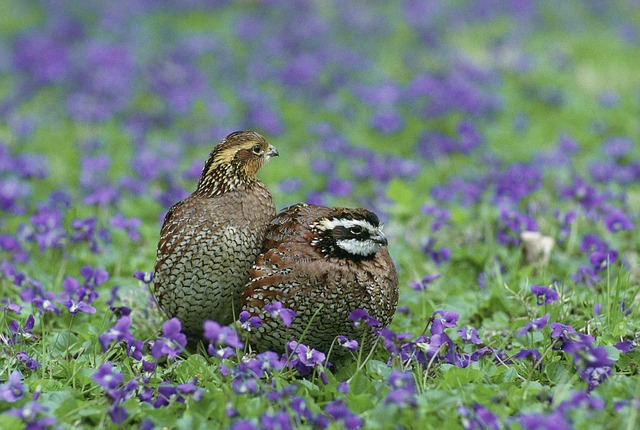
(209, 241)
(323, 263)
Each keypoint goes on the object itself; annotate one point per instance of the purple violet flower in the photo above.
(512, 224)
(269, 361)
(479, 418)
(597, 309)
(44, 303)
(592, 356)
(350, 344)
(277, 310)
(631, 404)
(566, 221)
(469, 335)
(107, 378)
(626, 346)
(14, 389)
(592, 243)
(75, 307)
(531, 354)
(117, 333)
(555, 421)
(12, 245)
(534, 325)
(359, 315)
(130, 225)
(149, 366)
(393, 341)
(244, 424)
(544, 295)
(303, 358)
(173, 341)
(145, 277)
(84, 230)
(339, 412)
(322, 165)
(290, 185)
(94, 277)
(623, 308)
(46, 229)
(29, 362)
(339, 187)
(438, 255)
(221, 335)
(617, 146)
(134, 349)
(469, 137)
(443, 319)
(580, 399)
(403, 389)
(586, 195)
(517, 182)
(601, 260)
(42, 58)
(111, 382)
(30, 413)
(13, 307)
(249, 322)
(276, 421)
(422, 285)
(165, 392)
(586, 275)
(387, 121)
(568, 338)
(190, 390)
(441, 216)
(21, 335)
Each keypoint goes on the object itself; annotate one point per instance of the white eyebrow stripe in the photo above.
(329, 224)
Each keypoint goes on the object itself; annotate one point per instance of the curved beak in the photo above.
(272, 151)
(380, 238)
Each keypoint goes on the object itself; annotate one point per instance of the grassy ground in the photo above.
(462, 124)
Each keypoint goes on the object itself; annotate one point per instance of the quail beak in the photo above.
(380, 238)
(272, 152)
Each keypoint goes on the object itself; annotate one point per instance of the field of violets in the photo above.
(498, 140)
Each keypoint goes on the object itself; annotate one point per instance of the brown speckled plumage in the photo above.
(306, 267)
(209, 241)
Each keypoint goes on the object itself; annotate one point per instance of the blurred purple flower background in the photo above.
(465, 125)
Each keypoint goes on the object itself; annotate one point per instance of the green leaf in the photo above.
(454, 377)
(193, 422)
(558, 372)
(619, 330)
(11, 422)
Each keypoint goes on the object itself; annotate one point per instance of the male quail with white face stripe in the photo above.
(323, 263)
(210, 240)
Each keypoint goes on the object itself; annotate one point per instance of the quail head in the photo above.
(323, 263)
(209, 241)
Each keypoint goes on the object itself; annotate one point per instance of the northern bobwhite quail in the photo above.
(209, 240)
(323, 263)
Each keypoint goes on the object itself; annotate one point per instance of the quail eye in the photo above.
(257, 149)
(356, 230)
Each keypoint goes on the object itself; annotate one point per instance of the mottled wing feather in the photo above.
(291, 276)
(279, 274)
(173, 227)
(291, 224)
(318, 290)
